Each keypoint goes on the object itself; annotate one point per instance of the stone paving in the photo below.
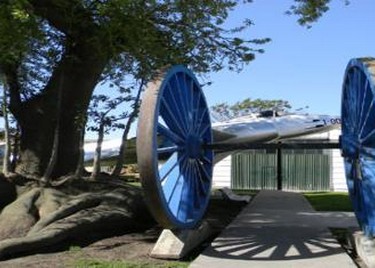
(279, 229)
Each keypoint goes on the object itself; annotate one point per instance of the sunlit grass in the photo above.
(329, 201)
(92, 263)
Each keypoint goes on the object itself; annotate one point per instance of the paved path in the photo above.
(279, 229)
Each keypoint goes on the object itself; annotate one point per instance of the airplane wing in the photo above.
(242, 130)
(110, 148)
(249, 129)
(269, 129)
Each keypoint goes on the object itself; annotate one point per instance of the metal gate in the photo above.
(300, 172)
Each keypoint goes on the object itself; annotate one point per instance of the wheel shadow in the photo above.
(269, 243)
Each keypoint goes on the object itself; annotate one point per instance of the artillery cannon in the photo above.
(176, 143)
(358, 139)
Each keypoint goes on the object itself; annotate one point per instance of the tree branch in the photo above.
(68, 16)
(12, 83)
(120, 159)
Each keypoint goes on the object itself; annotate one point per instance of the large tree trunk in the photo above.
(81, 71)
(34, 214)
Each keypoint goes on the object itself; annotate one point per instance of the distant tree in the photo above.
(130, 120)
(104, 118)
(7, 140)
(250, 106)
(309, 11)
(10, 133)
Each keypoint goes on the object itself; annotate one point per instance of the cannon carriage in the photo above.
(177, 145)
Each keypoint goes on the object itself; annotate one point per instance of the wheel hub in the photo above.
(193, 146)
(350, 147)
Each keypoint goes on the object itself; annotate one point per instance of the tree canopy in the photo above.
(250, 106)
(53, 53)
(65, 48)
(308, 11)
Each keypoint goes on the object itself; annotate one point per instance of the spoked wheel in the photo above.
(358, 139)
(175, 169)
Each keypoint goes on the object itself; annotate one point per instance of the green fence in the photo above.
(300, 172)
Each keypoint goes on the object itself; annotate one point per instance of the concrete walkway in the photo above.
(279, 229)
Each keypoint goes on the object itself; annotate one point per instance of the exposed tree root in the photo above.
(44, 216)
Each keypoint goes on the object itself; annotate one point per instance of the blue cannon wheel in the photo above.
(358, 139)
(175, 169)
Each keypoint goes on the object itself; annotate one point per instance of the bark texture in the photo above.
(46, 216)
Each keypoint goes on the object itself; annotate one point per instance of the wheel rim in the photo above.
(175, 169)
(358, 139)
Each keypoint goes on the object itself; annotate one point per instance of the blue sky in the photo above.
(304, 66)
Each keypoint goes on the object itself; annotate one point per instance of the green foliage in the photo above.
(310, 11)
(250, 106)
(16, 27)
(137, 37)
(90, 42)
(101, 112)
(330, 201)
(28, 46)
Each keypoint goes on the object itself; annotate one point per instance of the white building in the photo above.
(222, 176)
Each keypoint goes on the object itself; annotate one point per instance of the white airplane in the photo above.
(110, 148)
(265, 127)
(270, 126)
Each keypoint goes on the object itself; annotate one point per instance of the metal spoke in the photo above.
(168, 166)
(182, 100)
(177, 107)
(368, 137)
(195, 112)
(204, 171)
(197, 186)
(201, 180)
(188, 98)
(358, 85)
(172, 136)
(367, 116)
(360, 96)
(204, 130)
(201, 120)
(175, 195)
(169, 116)
(185, 210)
(368, 152)
(191, 90)
(176, 199)
(170, 149)
(364, 102)
(350, 101)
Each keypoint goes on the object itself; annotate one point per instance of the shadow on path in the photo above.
(271, 243)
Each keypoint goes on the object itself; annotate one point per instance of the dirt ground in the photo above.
(122, 246)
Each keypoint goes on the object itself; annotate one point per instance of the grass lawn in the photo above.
(84, 263)
(329, 201)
